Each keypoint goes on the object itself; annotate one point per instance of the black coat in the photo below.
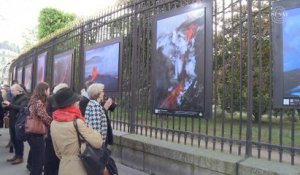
(15, 106)
(82, 104)
(49, 108)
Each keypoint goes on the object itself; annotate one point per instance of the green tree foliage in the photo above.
(51, 19)
(231, 63)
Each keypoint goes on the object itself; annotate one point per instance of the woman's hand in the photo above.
(5, 103)
(108, 103)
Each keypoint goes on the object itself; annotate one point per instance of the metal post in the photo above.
(81, 61)
(249, 81)
(133, 83)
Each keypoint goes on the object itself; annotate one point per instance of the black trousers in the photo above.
(51, 161)
(18, 144)
(36, 154)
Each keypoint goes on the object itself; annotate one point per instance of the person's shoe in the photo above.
(11, 159)
(8, 145)
(28, 167)
(17, 161)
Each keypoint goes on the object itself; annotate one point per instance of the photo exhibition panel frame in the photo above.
(19, 75)
(41, 67)
(102, 64)
(181, 64)
(63, 68)
(28, 77)
(286, 53)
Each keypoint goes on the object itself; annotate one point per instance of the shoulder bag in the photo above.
(94, 160)
(34, 125)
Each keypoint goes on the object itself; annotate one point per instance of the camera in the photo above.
(112, 106)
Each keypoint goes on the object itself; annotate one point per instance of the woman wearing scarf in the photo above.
(63, 133)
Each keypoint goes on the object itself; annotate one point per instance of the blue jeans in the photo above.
(18, 144)
(36, 154)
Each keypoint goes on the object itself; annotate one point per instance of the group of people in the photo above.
(56, 152)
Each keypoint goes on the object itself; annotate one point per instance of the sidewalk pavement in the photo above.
(20, 169)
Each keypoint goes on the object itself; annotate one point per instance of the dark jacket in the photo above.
(82, 104)
(15, 106)
(49, 108)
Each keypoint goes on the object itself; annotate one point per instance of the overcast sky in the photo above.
(18, 15)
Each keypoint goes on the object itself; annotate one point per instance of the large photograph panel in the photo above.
(28, 77)
(178, 65)
(291, 52)
(286, 51)
(41, 67)
(19, 74)
(62, 68)
(102, 65)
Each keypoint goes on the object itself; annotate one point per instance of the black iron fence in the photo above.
(243, 120)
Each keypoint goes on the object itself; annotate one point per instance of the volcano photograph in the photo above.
(28, 77)
(178, 65)
(62, 68)
(102, 66)
(41, 63)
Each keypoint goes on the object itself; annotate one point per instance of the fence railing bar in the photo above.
(249, 79)
(260, 75)
(241, 74)
(215, 58)
(232, 77)
(223, 75)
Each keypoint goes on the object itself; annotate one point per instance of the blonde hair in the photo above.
(18, 88)
(94, 90)
(59, 87)
(3, 92)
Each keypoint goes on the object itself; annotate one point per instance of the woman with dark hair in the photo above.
(37, 108)
(51, 163)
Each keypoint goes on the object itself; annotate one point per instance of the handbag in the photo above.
(94, 160)
(34, 125)
(112, 167)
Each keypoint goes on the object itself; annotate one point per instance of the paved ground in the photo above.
(8, 169)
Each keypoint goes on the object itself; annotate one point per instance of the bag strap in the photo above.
(78, 134)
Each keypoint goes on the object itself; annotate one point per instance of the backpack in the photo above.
(20, 124)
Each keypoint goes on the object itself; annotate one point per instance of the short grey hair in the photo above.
(18, 88)
(94, 90)
(59, 87)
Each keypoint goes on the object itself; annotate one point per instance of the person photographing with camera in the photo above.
(95, 114)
